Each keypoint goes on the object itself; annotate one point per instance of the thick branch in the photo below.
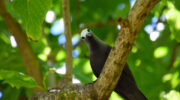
(67, 24)
(70, 92)
(105, 84)
(29, 59)
(119, 53)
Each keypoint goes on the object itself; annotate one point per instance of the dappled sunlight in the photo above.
(13, 41)
(61, 39)
(132, 2)
(172, 78)
(173, 20)
(174, 13)
(160, 52)
(171, 95)
(50, 16)
(76, 52)
(58, 27)
(1, 94)
(138, 62)
(43, 57)
(154, 35)
(118, 26)
(175, 80)
(155, 28)
(115, 96)
(61, 55)
(44, 54)
(149, 29)
(61, 70)
(167, 77)
(47, 50)
(83, 71)
(87, 67)
(160, 27)
(176, 63)
(134, 49)
(75, 80)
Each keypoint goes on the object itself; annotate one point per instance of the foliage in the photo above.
(150, 59)
(16, 79)
(32, 13)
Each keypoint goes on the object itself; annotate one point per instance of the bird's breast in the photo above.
(97, 62)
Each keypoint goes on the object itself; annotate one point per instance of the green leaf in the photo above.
(17, 79)
(173, 20)
(10, 93)
(172, 95)
(33, 14)
(177, 4)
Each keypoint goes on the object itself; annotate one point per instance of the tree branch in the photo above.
(29, 59)
(120, 51)
(102, 88)
(67, 25)
(173, 56)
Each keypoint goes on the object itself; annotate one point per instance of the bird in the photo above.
(99, 51)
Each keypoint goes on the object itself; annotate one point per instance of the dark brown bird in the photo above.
(99, 51)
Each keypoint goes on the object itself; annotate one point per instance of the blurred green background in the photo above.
(154, 60)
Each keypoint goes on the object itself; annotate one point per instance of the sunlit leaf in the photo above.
(160, 52)
(172, 95)
(173, 19)
(33, 14)
(17, 79)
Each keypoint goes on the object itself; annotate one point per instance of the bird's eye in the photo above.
(83, 38)
(88, 30)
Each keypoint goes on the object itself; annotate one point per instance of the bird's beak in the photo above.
(87, 36)
(82, 38)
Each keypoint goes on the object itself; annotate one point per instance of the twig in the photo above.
(77, 12)
(77, 44)
(159, 18)
(173, 56)
(160, 14)
(67, 25)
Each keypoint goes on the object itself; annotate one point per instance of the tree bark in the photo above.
(123, 45)
(29, 59)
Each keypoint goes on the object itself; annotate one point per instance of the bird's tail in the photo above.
(135, 94)
(129, 90)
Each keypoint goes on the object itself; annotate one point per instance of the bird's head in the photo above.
(91, 40)
(86, 34)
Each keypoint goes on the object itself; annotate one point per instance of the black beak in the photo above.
(83, 38)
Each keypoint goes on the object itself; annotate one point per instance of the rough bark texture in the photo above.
(67, 25)
(120, 51)
(29, 59)
(70, 92)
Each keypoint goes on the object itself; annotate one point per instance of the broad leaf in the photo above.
(173, 20)
(33, 13)
(17, 79)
